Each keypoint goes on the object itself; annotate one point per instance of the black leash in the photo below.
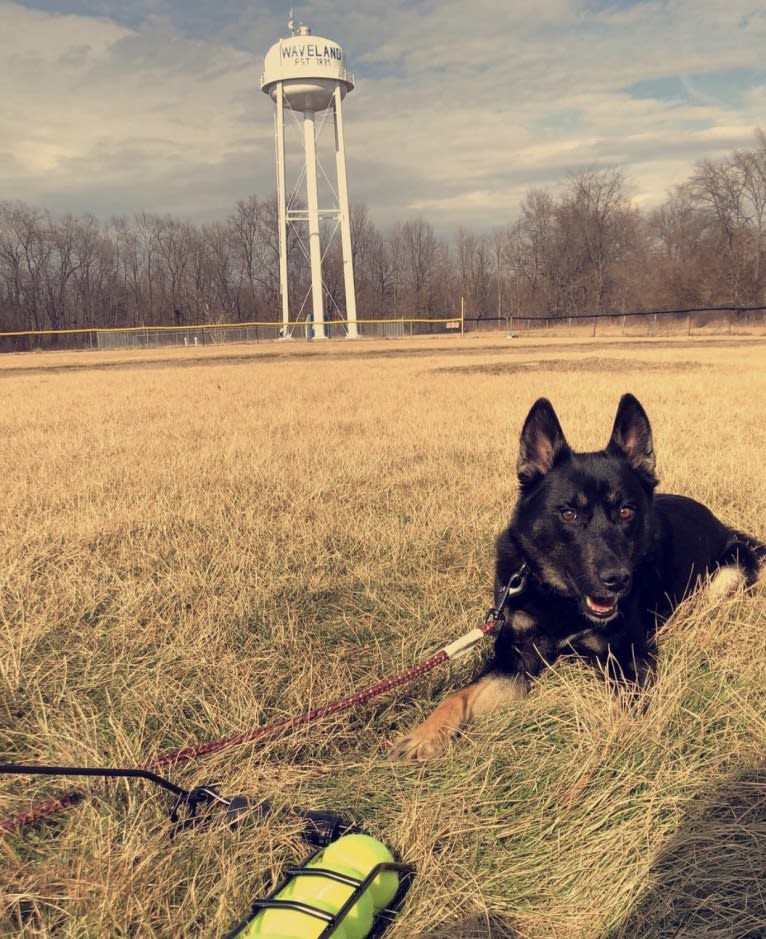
(320, 828)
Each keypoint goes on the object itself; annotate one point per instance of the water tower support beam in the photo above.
(312, 207)
(345, 216)
(279, 129)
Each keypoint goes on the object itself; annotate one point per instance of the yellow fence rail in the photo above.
(656, 322)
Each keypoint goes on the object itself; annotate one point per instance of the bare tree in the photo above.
(475, 272)
(424, 281)
(531, 253)
(225, 279)
(751, 166)
(373, 275)
(25, 251)
(597, 229)
(680, 264)
(500, 272)
(718, 187)
(93, 272)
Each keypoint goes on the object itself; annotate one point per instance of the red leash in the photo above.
(453, 650)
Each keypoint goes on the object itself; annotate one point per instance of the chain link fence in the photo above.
(720, 320)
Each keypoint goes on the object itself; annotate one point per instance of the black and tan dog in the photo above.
(602, 560)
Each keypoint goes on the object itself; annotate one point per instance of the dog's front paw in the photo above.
(430, 738)
(420, 744)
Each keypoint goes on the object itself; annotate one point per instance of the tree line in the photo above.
(587, 248)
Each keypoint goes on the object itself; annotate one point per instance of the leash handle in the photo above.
(107, 772)
(465, 643)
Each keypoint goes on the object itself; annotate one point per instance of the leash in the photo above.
(191, 799)
(454, 650)
(494, 617)
(319, 828)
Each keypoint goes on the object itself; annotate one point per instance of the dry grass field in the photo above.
(195, 542)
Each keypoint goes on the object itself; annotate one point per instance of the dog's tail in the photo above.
(747, 553)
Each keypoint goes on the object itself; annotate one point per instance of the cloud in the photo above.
(528, 98)
(98, 108)
(458, 110)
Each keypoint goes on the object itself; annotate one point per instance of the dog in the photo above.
(591, 564)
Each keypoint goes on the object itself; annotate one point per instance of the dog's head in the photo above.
(585, 519)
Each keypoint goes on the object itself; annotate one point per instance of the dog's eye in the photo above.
(569, 515)
(627, 513)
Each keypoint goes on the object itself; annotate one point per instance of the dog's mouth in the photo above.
(601, 608)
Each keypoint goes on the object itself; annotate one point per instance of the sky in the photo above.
(458, 110)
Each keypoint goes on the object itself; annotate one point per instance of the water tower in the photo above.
(306, 74)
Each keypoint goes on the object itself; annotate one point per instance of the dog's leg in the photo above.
(429, 739)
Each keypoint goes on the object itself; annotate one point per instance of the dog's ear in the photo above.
(632, 438)
(542, 443)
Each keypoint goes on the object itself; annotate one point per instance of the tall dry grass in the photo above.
(197, 542)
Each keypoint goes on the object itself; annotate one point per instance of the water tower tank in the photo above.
(309, 68)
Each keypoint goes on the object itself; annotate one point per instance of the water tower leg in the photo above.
(345, 217)
(312, 206)
(279, 131)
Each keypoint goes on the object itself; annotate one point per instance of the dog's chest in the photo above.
(585, 642)
(529, 629)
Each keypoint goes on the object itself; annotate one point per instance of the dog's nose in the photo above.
(615, 579)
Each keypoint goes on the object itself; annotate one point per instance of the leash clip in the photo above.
(191, 801)
(517, 583)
